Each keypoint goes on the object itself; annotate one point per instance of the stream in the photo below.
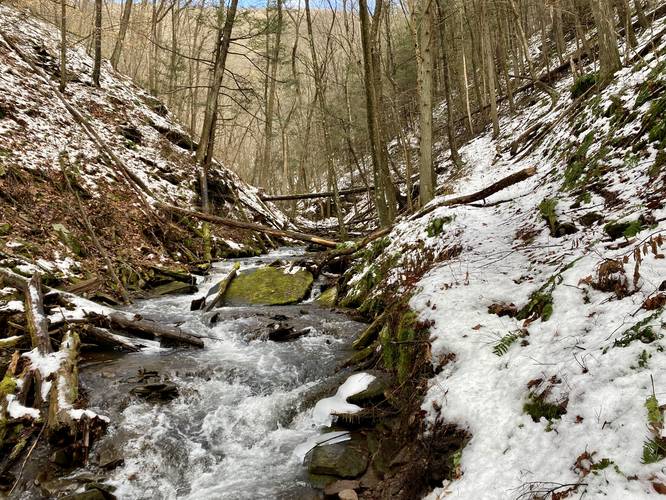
(243, 405)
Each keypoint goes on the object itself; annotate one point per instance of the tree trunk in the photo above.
(122, 32)
(385, 191)
(97, 37)
(273, 62)
(609, 55)
(63, 45)
(321, 99)
(208, 129)
(422, 18)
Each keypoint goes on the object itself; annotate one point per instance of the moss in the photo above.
(406, 336)
(583, 84)
(328, 297)
(644, 359)
(537, 407)
(547, 211)
(628, 229)
(389, 349)
(7, 386)
(658, 165)
(269, 286)
(578, 162)
(436, 225)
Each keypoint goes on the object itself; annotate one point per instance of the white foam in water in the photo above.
(233, 431)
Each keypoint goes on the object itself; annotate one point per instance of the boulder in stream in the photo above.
(347, 460)
(269, 286)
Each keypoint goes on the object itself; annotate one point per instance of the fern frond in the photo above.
(502, 347)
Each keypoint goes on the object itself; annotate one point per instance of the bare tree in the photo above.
(122, 32)
(97, 37)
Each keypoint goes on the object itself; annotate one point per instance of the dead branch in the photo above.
(278, 233)
(504, 183)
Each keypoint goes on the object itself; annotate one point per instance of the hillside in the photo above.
(41, 222)
(544, 302)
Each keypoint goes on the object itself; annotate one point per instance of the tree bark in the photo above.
(609, 55)
(122, 32)
(97, 37)
(63, 45)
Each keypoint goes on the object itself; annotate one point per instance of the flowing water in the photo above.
(244, 403)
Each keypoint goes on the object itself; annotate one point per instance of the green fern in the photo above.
(502, 347)
(653, 451)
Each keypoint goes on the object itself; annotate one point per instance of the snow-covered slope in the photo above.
(546, 301)
(40, 139)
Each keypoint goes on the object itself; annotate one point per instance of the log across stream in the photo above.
(243, 404)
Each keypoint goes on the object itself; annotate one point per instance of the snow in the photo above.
(46, 364)
(324, 410)
(13, 306)
(502, 253)
(16, 410)
(320, 440)
(79, 414)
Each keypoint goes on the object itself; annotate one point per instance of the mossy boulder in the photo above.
(269, 286)
(346, 460)
(328, 297)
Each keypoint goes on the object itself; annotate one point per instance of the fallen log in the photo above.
(64, 422)
(222, 288)
(105, 316)
(104, 337)
(278, 233)
(310, 196)
(135, 324)
(38, 325)
(504, 183)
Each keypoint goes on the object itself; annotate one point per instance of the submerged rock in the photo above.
(160, 391)
(269, 286)
(285, 333)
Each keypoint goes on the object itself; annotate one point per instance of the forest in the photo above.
(332, 249)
